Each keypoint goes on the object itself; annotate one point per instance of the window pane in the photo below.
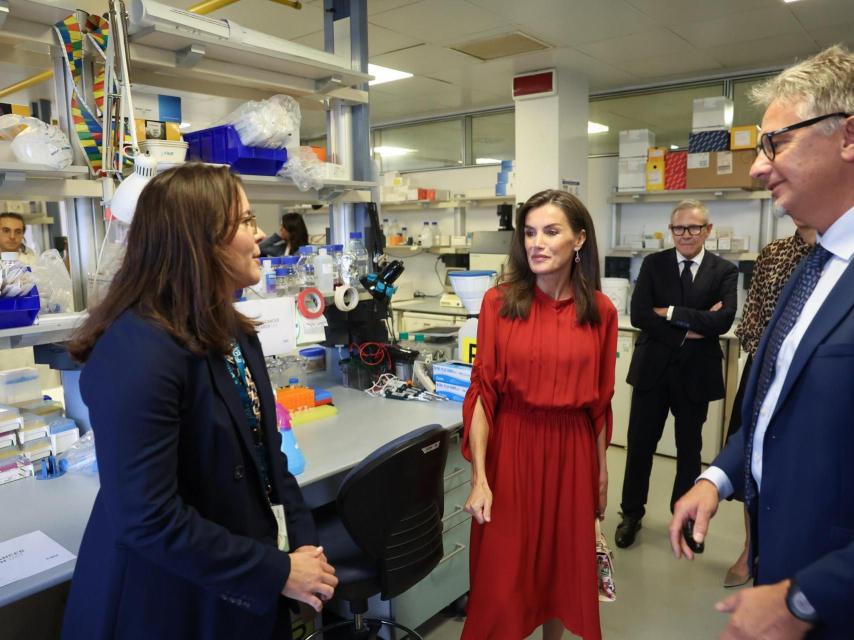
(493, 137)
(744, 111)
(420, 146)
(667, 113)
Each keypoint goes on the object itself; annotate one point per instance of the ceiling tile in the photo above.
(313, 40)
(382, 40)
(424, 59)
(748, 26)
(764, 52)
(828, 36)
(446, 19)
(380, 6)
(670, 12)
(670, 67)
(565, 23)
(824, 14)
(639, 46)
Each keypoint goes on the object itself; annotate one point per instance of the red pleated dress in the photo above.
(545, 384)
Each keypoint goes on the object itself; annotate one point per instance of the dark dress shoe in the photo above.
(626, 531)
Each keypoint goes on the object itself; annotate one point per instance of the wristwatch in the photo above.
(799, 606)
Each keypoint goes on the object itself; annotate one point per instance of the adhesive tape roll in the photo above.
(310, 303)
(346, 298)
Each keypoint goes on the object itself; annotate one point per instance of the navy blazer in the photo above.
(804, 516)
(660, 340)
(181, 542)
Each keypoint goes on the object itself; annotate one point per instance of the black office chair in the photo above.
(386, 532)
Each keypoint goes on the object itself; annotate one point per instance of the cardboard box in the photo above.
(744, 137)
(157, 130)
(675, 170)
(739, 244)
(720, 170)
(655, 175)
(725, 244)
(712, 113)
(635, 143)
(631, 174)
(708, 141)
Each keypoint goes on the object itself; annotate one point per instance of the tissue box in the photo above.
(452, 372)
(706, 141)
(635, 143)
(712, 113)
(631, 174)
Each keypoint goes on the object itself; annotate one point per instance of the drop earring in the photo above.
(577, 256)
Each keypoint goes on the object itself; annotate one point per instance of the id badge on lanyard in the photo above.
(282, 526)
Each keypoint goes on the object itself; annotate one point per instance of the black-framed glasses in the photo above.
(250, 222)
(692, 229)
(766, 140)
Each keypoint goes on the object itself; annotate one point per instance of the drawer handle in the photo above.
(454, 473)
(457, 511)
(458, 549)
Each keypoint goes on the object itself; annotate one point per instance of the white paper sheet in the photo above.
(28, 555)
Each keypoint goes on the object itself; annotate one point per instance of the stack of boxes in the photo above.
(634, 145)
(30, 428)
(396, 188)
(719, 156)
(505, 184)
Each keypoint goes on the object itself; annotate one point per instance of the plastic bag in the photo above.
(15, 279)
(304, 169)
(35, 142)
(273, 123)
(54, 283)
(80, 457)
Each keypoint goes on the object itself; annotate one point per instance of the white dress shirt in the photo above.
(695, 266)
(838, 240)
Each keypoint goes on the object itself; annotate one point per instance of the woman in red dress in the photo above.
(537, 421)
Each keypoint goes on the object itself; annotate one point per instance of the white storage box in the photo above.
(19, 385)
(635, 143)
(631, 174)
(711, 114)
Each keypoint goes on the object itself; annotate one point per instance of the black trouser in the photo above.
(646, 424)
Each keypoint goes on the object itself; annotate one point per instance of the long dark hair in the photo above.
(176, 270)
(518, 284)
(297, 231)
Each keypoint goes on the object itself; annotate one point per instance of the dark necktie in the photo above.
(808, 279)
(687, 280)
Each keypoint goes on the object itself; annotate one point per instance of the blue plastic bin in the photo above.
(221, 145)
(20, 311)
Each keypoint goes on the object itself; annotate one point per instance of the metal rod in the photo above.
(294, 4)
(209, 6)
(26, 84)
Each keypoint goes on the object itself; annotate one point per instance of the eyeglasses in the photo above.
(766, 140)
(692, 229)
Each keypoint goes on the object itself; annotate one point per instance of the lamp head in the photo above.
(123, 203)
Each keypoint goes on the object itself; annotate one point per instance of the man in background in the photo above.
(793, 459)
(12, 230)
(684, 299)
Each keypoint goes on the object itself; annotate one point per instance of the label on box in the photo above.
(742, 138)
(698, 161)
(724, 163)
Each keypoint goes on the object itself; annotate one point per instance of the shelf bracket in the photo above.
(11, 176)
(329, 194)
(189, 56)
(325, 86)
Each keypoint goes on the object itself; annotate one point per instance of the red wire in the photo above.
(373, 358)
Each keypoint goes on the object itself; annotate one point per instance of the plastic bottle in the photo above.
(290, 447)
(425, 239)
(434, 227)
(267, 285)
(361, 261)
(405, 237)
(305, 266)
(337, 254)
(324, 272)
(287, 281)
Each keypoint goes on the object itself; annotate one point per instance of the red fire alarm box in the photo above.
(537, 84)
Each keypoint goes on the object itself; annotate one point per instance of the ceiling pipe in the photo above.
(26, 84)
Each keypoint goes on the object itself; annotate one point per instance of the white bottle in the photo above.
(324, 272)
(425, 239)
(404, 233)
(386, 227)
(434, 227)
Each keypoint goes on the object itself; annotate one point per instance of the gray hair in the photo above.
(691, 204)
(817, 86)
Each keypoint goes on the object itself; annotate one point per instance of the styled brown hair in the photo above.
(518, 289)
(297, 231)
(176, 270)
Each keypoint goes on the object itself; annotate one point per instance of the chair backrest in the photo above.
(391, 504)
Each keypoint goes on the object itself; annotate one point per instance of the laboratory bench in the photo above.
(60, 507)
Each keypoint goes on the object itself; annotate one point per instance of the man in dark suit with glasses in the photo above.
(684, 299)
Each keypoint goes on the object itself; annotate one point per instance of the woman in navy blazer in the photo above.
(184, 540)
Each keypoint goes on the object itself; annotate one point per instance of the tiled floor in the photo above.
(658, 598)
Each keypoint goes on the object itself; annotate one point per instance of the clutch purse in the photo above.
(605, 567)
